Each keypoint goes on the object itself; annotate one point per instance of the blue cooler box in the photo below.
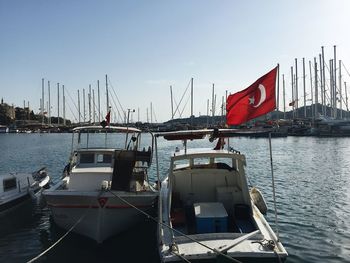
(210, 218)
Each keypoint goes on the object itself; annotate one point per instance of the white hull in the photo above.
(101, 216)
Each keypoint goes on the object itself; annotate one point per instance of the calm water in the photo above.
(312, 177)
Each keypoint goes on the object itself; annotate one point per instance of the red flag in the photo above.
(256, 100)
(108, 117)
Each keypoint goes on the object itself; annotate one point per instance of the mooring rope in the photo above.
(62, 237)
(173, 229)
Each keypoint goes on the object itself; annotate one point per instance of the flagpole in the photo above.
(278, 89)
(273, 187)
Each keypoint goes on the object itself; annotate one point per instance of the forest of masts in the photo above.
(90, 107)
(327, 91)
(326, 94)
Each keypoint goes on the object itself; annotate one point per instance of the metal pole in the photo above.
(346, 99)
(58, 103)
(172, 104)
(304, 87)
(340, 92)
(321, 84)
(296, 88)
(99, 103)
(335, 82)
(316, 89)
(278, 91)
(273, 187)
(284, 97)
(324, 83)
(49, 94)
(311, 89)
(331, 86)
(79, 106)
(42, 101)
(191, 98)
(293, 99)
(107, 98)
(93, 106)
(64, 106)
(84, 116)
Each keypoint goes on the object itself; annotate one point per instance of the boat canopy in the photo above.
(198, 134)
(107, 128)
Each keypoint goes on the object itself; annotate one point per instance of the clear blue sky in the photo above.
(146, 46)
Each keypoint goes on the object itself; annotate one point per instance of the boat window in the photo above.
(87, 158)
(200, 161)
(10, 184)
(104, 158)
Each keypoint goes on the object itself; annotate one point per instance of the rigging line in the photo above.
(188, 85)
(71, 111)
(116, 106)
(110, 83)
(184, 107)
(62, 237)
(67, 91)
(177, 105)
(173, 229)
(345, 68)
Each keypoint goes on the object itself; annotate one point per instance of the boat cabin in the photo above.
(123, 170)
(209, 192)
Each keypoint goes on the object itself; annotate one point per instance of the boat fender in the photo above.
(258, 200)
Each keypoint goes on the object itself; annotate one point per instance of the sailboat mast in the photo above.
(284, 97)
(340, 92)
(107, 97)
(321, 84)
(49, 109)
(58, 103)
(316, 89)
(335, 81)
(296, 88)
(311, 89)
(304, 87)
(93, 106)
(346, 99)
(89, 101)
(324, 83)
(79, 107)
(99, 103)
(172, 105)
(64, 106)
(293, 99)
(84, 116)
(42, 101)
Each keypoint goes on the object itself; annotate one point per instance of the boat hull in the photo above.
(98, 216)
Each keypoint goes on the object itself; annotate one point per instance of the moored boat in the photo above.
(103, 185)
(206, 210)
(16, 188)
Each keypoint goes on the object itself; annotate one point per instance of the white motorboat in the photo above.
(103, 187)
(206, 210)
(16, 188)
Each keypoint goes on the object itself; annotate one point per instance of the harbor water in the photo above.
(312, 179)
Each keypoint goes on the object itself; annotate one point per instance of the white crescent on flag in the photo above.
(262, 95)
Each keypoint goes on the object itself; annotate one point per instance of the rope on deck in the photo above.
(62, 237)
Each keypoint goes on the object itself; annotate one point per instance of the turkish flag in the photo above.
(256, 100)
(108, 117)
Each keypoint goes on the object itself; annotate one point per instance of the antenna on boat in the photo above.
(273, 187)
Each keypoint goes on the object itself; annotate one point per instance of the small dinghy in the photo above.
(16, 188)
